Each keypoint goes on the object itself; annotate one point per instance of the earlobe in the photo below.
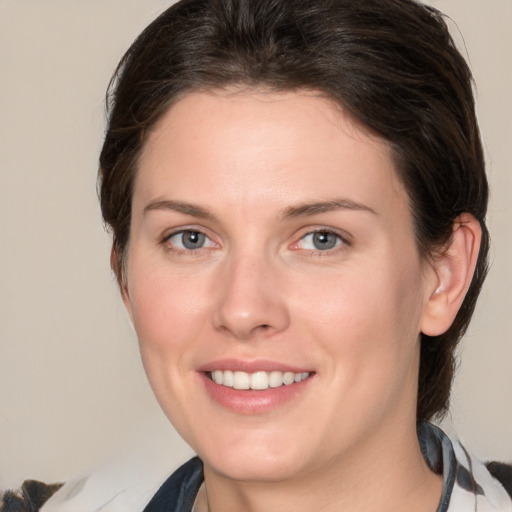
(453, 271)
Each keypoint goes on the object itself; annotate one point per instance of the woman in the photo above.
(297, 197)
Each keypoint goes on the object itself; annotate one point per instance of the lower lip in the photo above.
(253, 401)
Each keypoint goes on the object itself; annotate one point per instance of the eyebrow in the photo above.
(300, 210)
(313, 208)
(180, 207)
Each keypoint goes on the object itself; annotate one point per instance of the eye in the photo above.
(189, 240)
(322, 240)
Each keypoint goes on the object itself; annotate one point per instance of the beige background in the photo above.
(72, 390)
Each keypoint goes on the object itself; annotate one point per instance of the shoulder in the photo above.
(469, 484)
(129, 492)
(503, 473)
(31, 496)
(485, 486)
(126, 484)
(179, 491)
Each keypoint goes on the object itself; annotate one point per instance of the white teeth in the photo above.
(288, 378)
(275, 379)
(257, 380)
(217, 376)
(228, 378)
(241, 380)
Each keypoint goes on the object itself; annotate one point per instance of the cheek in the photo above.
(355, 302)
(166, 309)
(367, 318)
(168, 317)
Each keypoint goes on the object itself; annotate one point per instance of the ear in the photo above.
(453, 271)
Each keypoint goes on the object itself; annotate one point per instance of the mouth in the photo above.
(259, 380)
(254, 387)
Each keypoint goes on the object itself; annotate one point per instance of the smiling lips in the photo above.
(251, 388)
(259, 380)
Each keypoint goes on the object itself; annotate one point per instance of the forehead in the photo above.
(249, 146)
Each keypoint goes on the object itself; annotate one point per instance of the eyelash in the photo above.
(340, 242)
(172, 247)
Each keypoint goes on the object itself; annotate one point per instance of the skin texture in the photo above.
(252, 164)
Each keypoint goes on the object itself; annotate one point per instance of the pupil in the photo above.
(193, 239)
(324, 240)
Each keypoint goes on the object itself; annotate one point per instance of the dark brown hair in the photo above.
(391, 63)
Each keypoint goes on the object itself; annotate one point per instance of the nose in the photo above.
(250, 300)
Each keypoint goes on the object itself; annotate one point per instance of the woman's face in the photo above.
(272, 242)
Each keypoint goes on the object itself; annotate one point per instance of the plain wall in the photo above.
(72, 389)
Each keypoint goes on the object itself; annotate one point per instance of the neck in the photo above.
(381, 474)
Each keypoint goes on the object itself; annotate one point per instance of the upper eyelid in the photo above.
(344, 235)
(345, 239)
(170, 232)
(164, 241)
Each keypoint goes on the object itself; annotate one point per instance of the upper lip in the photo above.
(241, 365)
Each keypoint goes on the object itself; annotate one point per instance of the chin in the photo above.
(258, 468)
(263, 458)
